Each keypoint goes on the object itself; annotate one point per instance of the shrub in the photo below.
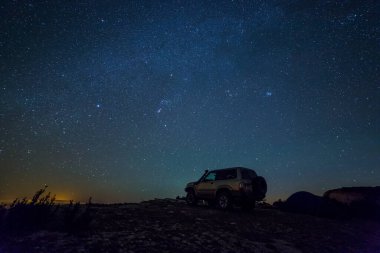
(75, 219)
(2, 214)
(40, 212)
(23, 216)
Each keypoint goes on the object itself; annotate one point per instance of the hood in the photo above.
(191, 184)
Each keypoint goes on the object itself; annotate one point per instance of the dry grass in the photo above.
(41, 212)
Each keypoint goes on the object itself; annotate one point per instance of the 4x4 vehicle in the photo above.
(226, 187)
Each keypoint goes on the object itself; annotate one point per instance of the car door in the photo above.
(226, 179)
(206, 188)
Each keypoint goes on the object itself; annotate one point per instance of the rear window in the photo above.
(248, 174)
(226, 174)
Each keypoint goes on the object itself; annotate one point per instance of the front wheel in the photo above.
(191, 199)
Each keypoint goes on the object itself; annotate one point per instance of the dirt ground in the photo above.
(172, 226)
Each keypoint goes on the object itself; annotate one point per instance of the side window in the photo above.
(226, 174)
(231, 174)
(210, 177)
(248, 174)
(244, 174)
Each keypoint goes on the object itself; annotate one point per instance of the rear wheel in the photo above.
(191, 199)
(223, 200)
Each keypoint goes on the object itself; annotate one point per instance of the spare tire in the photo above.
(259, 188)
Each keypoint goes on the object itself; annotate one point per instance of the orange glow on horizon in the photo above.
(63, 197)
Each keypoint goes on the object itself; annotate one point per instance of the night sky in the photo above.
(130, 100)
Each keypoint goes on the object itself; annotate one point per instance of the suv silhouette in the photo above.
(226, 187)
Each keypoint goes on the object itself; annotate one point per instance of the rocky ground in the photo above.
(172, 226)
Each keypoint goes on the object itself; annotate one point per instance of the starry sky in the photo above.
(129, 100)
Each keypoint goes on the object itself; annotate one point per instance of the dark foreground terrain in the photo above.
(172, 226)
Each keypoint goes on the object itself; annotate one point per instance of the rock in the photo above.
(358, 201)
(350, 195)
(303, 202)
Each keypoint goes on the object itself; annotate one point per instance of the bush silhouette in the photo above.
(2, 213)
(76, 220)
(41, 212)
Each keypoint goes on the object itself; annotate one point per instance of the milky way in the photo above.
(129, 100)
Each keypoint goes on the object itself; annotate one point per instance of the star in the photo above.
(152, 87)
(268, 94)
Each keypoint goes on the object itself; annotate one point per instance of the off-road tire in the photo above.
(259, 188)
(191, 199)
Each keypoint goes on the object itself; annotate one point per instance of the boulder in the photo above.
(303, 202)
(363, 202)
(359, 201)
